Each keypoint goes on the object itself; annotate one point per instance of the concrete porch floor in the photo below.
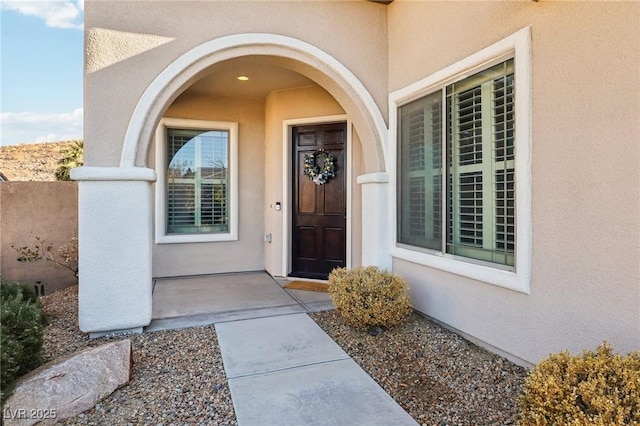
(209, 299)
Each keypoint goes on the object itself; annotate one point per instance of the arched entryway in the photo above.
(291, 53)
(130, 185)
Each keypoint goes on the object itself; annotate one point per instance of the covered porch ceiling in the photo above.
(262, 77)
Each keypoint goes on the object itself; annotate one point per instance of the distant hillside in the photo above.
(33, 161)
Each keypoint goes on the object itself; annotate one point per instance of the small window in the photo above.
(197, 181)
(197, 174)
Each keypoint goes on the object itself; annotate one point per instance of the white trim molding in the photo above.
(379, 177)
(87, 173)
(518, 46)
(161, 194)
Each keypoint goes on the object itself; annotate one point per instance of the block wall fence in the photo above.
(48, 210)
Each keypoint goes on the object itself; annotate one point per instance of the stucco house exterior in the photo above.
(486, 151)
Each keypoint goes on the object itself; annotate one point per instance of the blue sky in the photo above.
(41, 71)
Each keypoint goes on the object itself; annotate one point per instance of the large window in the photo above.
(461, 142)
(460, 199)
(197, 181)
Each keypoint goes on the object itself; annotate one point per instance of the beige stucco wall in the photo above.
(48, 210)
(129, 43)
(585, 153)
(585, 284)
(299, 104)
(245, 254)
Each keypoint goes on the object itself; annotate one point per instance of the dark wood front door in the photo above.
(319, 211)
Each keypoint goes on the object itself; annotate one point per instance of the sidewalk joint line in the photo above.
(264, 373)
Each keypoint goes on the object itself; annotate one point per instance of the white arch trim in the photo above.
(208, 53)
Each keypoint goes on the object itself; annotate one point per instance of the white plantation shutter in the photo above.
(480, 168)
(181, 206)
(214, 181)
(420, 186)
(465, 166)
(197, 181)
(504, 157)
(481, 165)
(418, 191)
(180, 180)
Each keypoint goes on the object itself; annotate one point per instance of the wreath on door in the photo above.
(319, 166)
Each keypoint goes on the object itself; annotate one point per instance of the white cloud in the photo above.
(32, 127)
(55, 13)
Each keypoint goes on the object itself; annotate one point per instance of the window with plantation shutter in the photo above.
(474, 215)
(197, 186)
(197, 181)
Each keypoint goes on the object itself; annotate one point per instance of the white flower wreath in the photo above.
(319, 167)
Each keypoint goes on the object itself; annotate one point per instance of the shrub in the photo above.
(369, 297)
(21, 329)
(66, 255)
(597, 388)
(74, 157)
(9, 289)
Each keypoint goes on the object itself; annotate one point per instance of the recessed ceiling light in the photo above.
(243, 78)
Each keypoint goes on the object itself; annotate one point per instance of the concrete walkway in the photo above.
(282, 368)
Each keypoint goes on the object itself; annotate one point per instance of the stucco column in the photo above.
(375, 232)
(115, 223)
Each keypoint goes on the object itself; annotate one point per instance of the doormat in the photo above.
(308, 286)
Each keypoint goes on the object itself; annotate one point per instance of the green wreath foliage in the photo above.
(319, 167)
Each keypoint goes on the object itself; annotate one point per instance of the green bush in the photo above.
(9, 289)
(597, 388)
(369, 297)
(21, 330)
(73, 157)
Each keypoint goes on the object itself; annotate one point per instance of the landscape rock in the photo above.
(70, 385)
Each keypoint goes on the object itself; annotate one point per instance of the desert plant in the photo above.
(369, 297)
(21, 329)
(9, 289)
(65, 256)
(597, 388)
(74, 157)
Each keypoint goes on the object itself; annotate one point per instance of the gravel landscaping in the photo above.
(438, 377)
(178, 376)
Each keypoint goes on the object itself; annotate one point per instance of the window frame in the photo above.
(518, 47)
(161, 235)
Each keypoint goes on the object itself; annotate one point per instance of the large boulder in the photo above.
(70, 385)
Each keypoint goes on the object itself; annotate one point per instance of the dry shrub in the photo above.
(597, 388)
(369, 297)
